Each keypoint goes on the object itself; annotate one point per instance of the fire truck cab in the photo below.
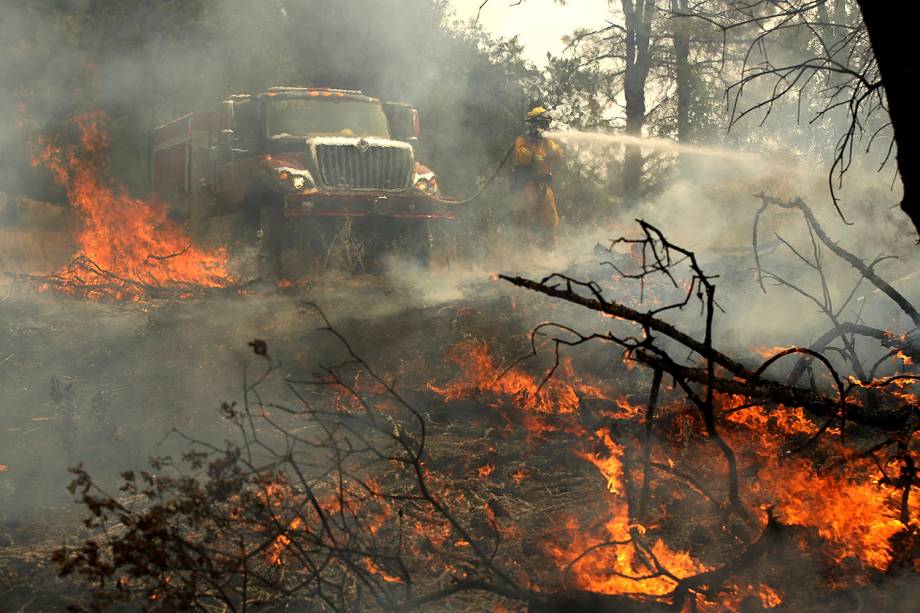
(300, 170)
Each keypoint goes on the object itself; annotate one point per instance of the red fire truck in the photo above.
(302, 173)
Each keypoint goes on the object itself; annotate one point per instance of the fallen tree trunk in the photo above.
(742, 380)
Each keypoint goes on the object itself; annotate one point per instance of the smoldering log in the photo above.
(742, 380)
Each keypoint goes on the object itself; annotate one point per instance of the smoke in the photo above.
(126, 374)
(709, 206)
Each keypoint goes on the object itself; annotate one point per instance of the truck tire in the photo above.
(406, 239)
(305, 243)
(419, 245)
(272, 242)
(415, 243)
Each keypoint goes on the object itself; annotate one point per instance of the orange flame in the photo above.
(124, 237)
(276, 549)
(614, 563)
(519, 476)
(732, 597)
(559, 396)
(766, 351)
(375, 569)
(848, 505)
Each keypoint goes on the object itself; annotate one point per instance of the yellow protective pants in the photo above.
(535, 213)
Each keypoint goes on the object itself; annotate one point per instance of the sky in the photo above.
(540, 24)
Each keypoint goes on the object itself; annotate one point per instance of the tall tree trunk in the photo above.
(634, 161)
(681, 50)
(638, 21)
(891, 31)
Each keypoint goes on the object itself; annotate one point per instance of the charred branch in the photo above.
(741, 379)
(566, 288)
(866, 270)
(712, 580)
(84, 277)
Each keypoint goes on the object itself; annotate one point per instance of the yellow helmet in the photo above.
(538, 114)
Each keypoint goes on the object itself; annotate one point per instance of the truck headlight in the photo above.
(428, 185)
(297, 179)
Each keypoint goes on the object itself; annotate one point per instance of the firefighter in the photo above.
(532, 180)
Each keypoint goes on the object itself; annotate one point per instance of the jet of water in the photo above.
(659, 144)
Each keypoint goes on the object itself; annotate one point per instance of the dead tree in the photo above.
(638, 16)
(857, 397)
(838, 73)
(890, 34)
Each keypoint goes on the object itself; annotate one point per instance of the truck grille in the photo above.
(375, 168)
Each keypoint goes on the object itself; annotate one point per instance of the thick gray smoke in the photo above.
(105, 383)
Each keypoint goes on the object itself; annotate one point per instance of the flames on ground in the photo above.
(849, 507)
(125, 245)
(544, 405)
(847, 510)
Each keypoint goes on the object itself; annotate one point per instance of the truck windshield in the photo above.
(302, 117)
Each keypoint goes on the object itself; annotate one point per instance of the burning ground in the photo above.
(717, 413)
(441, 472)
(597, 442)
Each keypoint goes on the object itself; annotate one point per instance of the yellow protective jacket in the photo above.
(534, 157)
(534, 208)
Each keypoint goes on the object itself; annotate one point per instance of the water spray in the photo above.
(602, 138)
(659, 144)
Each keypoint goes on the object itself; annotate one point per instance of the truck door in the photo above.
(237, 150)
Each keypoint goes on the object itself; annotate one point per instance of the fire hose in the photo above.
(485, 185)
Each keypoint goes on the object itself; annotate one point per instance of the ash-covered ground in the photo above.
(103, 382)
(106, 383)
(109, 383)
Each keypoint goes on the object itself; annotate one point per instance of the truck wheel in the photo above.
(313, 251)
(410, 240)
(199, 223)
(246, 228)
(271, 245)
(303, 242)
(416, 243)
(199, 226)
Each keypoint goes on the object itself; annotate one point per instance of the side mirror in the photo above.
(403, 121)
(416, 126)
(226, 110)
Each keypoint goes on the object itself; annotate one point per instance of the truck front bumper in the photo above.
(411, 206)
